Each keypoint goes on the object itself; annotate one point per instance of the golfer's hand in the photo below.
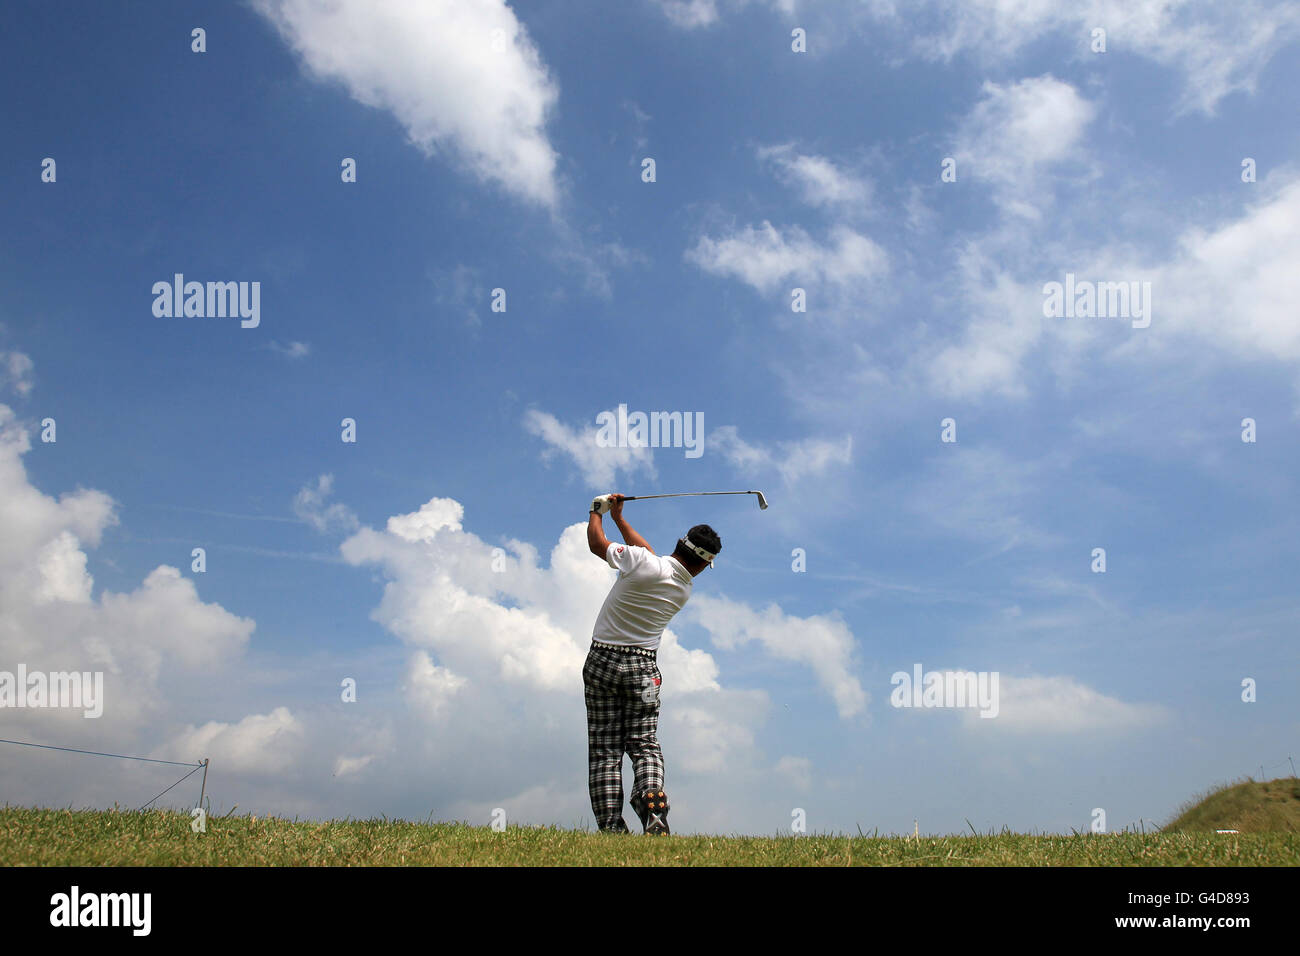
(616, 506)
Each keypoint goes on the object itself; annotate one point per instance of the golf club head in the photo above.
(762, 501)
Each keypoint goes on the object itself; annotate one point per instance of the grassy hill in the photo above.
(1272, 806)
(30, 837)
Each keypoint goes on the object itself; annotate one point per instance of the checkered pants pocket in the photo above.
(622, 695)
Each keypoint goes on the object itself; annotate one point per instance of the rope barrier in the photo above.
(201, 765)
(181, 780)
(97, 753)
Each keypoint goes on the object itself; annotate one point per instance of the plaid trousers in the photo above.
(622, 694)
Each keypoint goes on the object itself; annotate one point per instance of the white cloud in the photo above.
(294, 350)
(766, 258)
(16, 372)
(1232, 284)
(709, 741)
(352, 766)
(1219, 48)
(463, 78)
(824, 643)
(599, 466)
(61, 567)
(1062, 705)
(1005, 323)
(435, 515)
(259, 744)
(148, 641)
(429, 686)
(792, 460)
(797, 770)
(694, 14)
(690, 14)
(169, 621)
(449, 603)
(1016, 133)
(594, 260)
(1237, 284)
(309, 504)
(641, 122)
(462, 290)
(820, 180)
(31, 519)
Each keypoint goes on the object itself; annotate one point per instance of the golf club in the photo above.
(601, 504)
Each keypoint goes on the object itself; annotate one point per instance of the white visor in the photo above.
(703, 554)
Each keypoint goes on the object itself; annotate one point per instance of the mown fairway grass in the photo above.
(31, 837)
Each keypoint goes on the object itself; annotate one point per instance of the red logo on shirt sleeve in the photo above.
(619, 551)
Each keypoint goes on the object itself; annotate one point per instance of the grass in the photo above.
(1267, 814)
(35, 837)
(1271, 806)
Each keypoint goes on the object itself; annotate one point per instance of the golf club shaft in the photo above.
(685, 494)
(601, 504)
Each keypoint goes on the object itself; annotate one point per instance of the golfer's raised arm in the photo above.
(626, 530)
(596, 540)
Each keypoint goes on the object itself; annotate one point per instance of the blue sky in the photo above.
(501, 147)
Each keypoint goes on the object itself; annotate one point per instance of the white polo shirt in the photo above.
(650, 589)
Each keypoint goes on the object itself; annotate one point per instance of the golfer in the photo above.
(621, 680)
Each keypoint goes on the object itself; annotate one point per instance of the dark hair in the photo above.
(705, 537)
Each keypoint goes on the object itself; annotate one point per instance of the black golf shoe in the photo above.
(652, 807)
